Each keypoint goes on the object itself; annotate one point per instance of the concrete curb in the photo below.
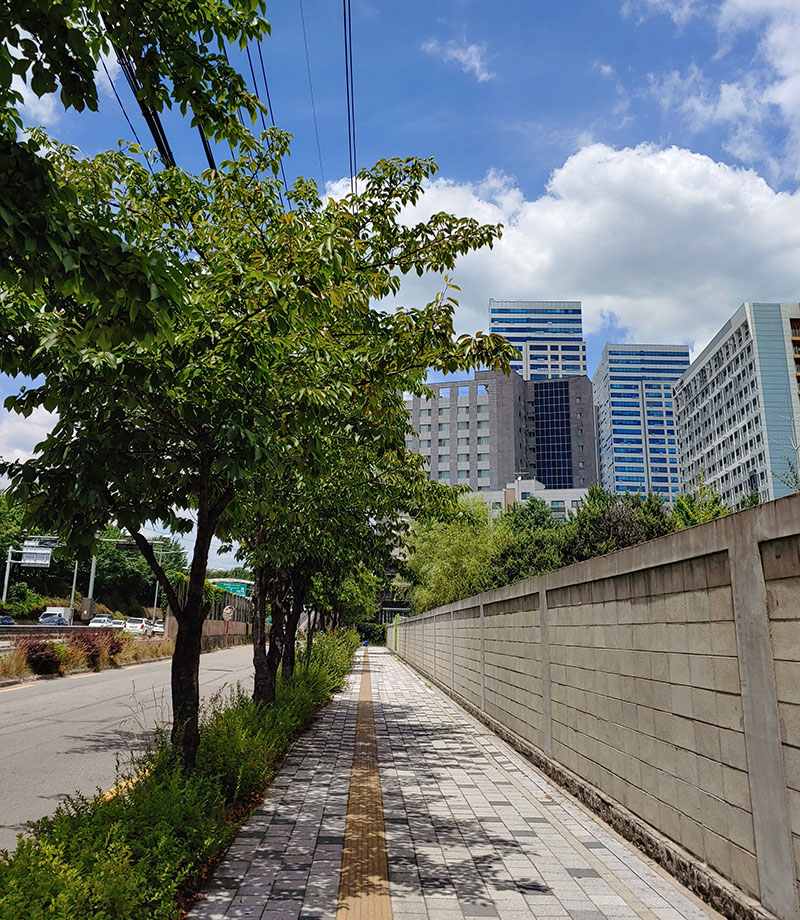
(699, 878)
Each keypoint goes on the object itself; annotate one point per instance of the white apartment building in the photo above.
(738, 408)
(562, 502)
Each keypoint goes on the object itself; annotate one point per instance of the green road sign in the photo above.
(233, 587)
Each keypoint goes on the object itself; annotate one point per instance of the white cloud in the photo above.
(37, 111)
(19, 435)
(471, 57)
(605, 70)
(667, 242)
(680, 11)
(766, 97)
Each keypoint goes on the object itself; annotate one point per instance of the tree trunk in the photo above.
(185, 682)
(312, 622)
(277, 602)
(259, 633)
(293, 618)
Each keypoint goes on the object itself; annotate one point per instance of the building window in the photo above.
(481, 390)
(444, 459)
(483, 410)
(484, 424)
(483, 474)
(463, 391)
(444, 412)
(444, 474)
(425, 445)
(463, 426)
(444, 442)
(424, 429)
(557, 505)
(483, 458)
(424, 413)
(444, 426)
(526, 496)
(463, 474)
(483, 440)
(463, 410)
(497, 506)
(444, 392)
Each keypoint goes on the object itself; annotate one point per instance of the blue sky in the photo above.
(641, 154)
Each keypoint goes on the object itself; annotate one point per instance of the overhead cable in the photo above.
(311, 91)
(349, 88)
(149, 114)
(270, 109)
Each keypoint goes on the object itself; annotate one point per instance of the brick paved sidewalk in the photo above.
(471, 829)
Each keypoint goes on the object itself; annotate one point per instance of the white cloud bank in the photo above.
(667, 242)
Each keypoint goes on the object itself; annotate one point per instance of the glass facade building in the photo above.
(637, 440)
(553, 437)
(548, 335)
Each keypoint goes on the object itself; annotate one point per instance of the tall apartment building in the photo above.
(637, 443)
(548, 335)
(489, 431)
(738, 406)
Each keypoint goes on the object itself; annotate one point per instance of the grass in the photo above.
(139, 854)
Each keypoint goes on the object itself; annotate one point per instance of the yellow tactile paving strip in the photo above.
(364, 881)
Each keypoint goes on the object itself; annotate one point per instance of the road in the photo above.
(66, 735)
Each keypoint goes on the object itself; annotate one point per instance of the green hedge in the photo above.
(137, 854)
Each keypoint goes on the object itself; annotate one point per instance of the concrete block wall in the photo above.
(664, 679)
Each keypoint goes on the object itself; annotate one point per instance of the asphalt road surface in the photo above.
(66, 735)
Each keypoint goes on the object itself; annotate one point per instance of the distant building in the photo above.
(488, 431)
(562, 502)
(738, 406)
(636, 434)
(548, 335)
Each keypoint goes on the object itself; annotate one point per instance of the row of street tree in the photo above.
(215, 350)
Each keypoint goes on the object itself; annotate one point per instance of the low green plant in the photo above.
(136, 854)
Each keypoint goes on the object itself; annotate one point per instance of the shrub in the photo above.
(41, 656)
(133, 855)
(14, 664)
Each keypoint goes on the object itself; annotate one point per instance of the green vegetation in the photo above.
(95, 649)
(137, 854)
(468, 553)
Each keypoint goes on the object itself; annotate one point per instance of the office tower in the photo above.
(489, 431)
(738, 407)
(548, 335)
(637, 442)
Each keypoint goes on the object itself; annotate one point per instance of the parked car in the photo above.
(158, 628)
(138, 626)
(101, 619)
(52, 619)
(6, 620)
(117, 624)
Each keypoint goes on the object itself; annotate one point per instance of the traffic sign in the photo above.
(227, 613)
(233, 587)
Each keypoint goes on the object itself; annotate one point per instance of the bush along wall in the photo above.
(139, 854)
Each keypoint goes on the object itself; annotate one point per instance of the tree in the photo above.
(698, 507)
(534, 545)
(51, 244)
(449, 558)
(277, 329)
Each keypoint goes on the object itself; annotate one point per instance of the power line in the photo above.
(150, 115)
(119, 100)
(311, 91)
(271, 110)
(347, 22)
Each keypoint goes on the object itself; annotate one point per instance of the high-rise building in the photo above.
(489, 431)
(548, 335)
(738, 406)
(637, 444)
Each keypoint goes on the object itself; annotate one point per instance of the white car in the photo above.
(117, 624)
(102, 619)
(138, 626)
(158, 628)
